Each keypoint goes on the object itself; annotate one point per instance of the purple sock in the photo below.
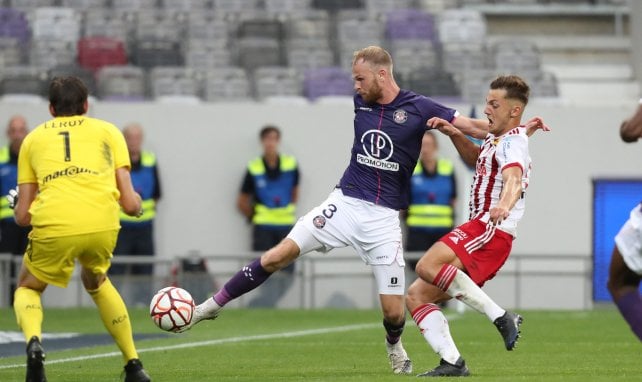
(630, 305)
(248, 278)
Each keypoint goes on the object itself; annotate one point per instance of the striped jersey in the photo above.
(497, 154)
(387, 142)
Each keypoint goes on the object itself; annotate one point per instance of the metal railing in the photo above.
(318, 276)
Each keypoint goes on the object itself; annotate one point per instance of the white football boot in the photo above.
(398, 358)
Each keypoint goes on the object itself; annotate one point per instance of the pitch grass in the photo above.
(556, 346)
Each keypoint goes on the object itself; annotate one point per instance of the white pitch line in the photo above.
(187, 345)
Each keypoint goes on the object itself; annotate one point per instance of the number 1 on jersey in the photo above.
(65, 135)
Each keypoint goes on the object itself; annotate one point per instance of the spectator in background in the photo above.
(268, 196)
(625, 271)
(13, 238)
(136, 236)
(433, 194)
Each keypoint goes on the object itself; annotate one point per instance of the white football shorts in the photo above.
(372, 230)
(629, 241)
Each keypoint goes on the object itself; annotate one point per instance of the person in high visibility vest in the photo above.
(267, 199)
(136, 236)
(13, 238)
(433, 197)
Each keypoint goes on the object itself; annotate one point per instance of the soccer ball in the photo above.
(172, 308)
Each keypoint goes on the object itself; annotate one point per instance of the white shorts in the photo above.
(372, 230)
(629, 241)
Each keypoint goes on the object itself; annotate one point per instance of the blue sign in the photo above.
(613, 200)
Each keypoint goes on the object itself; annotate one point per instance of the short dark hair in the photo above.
(516, 88)
(67, 96)
(269, 129)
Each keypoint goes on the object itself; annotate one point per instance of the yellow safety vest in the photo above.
(265, 214)
(5, 210)
(147, 162)
(432, 215)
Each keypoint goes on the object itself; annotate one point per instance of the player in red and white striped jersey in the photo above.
(459, 264)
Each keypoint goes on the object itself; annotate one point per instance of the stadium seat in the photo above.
(11, 53)
(121, 83)
(235, 6)
(313, 24)
(277, 81)
(160, 24)
(227, 84)
(261, 28)
(337, 5)
(357, 29)
(410, 55)
(49, 53)
(409, 24)
(29, 5)
(287, 6)
(96, 52)
(111, 23)
(150, 52)
(85, 75)
(433, 82)
(56, 23)
(13, 23)
(185, 5)
(207, 54)
(328, 81)
(173, 81)
(134, 4)
(207, 26)
(256, 51)
(23, 80)
(83, 5)
(461, 26)
(515, 56)
(306, 58)
(386, 6)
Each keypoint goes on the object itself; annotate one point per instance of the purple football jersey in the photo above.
(387, 142)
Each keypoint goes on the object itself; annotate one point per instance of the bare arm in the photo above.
(244, 204)
(511, 192)
(27, 192)
(468, 151)
(130, 201)
(631, 129)
(295, 194)
(476, 128)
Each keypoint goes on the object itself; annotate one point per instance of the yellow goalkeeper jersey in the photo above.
(73, 160)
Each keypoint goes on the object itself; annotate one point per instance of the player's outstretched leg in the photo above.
(248, 278)
(508, 326)
(35, 361)
(458, 284)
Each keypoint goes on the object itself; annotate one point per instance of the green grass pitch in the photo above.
(344, 345)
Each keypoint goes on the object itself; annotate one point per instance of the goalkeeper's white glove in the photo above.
(12, 197)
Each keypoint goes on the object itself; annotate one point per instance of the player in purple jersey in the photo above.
(363, 210)
(625, 271)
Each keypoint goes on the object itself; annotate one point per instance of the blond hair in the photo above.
(374, 55)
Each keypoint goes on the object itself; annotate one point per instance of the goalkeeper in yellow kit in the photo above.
(73, 179)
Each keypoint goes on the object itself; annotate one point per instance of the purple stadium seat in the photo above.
(328, 81)
(13, 23)
(410, 24)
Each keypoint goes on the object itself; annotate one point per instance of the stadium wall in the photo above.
(203, 149)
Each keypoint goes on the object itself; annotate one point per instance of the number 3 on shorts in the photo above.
(329, 212)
